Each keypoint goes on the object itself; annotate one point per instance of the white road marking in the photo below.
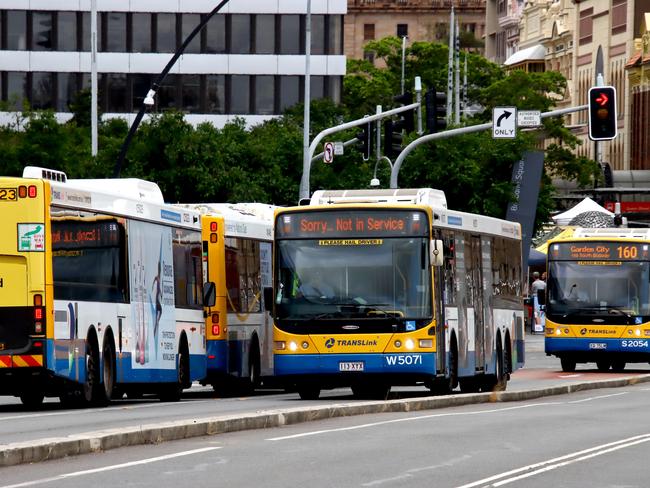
(599, 397)
(533, 469)
(110, 468)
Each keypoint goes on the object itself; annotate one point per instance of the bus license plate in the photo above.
(351, 366)
(8, 194)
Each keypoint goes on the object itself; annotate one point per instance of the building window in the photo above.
(42, 91)
(16, 30)
(240, 94)
(16, 89)
(67, 88)
(116, 90)
(289, 91)
(240, 34)
(215, 35)
(165, 33)
(85, 31)
(264, 95)
(317, 34)
(317, 87)
(115, 32)
(191, 93)
(141, 33)
(619, 16)
(42, 31)
(167, 96)
(402, 30)
(66, 36)
(586, 26)
(290, 41)
(369, 56)
(189, 23)
(140, 87)
(335, 35)
(368, 32)
(264, 33)
(215, 94)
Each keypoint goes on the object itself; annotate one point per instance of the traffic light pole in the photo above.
(306, 170)
(458, 132)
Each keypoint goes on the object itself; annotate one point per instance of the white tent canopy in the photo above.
(587, 205)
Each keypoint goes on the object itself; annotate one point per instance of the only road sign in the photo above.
(504, 122)
(328, 152)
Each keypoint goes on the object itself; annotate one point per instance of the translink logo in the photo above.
(329, 343)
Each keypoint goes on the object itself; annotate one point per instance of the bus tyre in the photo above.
(503, 360)
(108, 372)
(453, 365)
(309, 392)
(174, 391)
(254, 367)
(568, 364)
(618, 365)
(32, 398)
(603, 365)
(92, 384)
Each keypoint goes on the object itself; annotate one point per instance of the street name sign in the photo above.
(529, 118)
(504, 122)
(338, 148)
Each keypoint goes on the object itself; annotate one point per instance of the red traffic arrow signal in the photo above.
(602, 99)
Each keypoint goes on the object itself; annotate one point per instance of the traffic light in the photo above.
(406, 118)
(435, 104)
(392, 139)
(365, 137)
(602, 113)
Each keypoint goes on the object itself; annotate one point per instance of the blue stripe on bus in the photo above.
(218, 349)
(294, 364)
(594, 344)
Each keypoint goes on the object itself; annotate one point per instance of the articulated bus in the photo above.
(598, 298)
(239, 241)
(101, 290)
(376, 288)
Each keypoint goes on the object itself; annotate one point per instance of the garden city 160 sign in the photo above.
(602, 251)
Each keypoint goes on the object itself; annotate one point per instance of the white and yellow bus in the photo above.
(101, 290)
(375, 288)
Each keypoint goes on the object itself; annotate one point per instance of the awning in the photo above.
(534, 53)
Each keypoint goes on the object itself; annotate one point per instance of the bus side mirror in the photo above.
(437, 254)
(268, 297)
(209, 294)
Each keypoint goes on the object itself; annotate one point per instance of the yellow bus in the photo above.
(101, 290)
(598, 298)
(375, 288)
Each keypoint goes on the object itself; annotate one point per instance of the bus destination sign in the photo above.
(76, 234)
(600, 251)
(352, 223)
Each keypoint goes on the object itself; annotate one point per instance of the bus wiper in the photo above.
(600, 308)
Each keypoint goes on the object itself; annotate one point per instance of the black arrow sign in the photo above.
(504, 115)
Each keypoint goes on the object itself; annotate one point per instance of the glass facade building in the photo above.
(248, 61)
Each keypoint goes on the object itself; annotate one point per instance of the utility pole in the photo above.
(93, 78)
(306, 156)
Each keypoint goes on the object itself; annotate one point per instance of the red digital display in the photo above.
(73, 234)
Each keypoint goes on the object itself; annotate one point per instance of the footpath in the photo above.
(89, 442)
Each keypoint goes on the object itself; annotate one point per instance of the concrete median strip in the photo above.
(89, 442)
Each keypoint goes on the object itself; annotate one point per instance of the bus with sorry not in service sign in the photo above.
(101, 290)
(598, 298)
(376, 288)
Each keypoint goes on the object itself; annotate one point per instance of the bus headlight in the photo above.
(305, 345)
(280, 345)
(293, 346)
(424, 343)
(558, 331)
(637, 332)
(398, 343)
(409, 344)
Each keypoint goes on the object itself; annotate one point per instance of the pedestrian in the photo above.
(538, 284)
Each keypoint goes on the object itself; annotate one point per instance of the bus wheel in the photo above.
(603, 365)
(254, 367)
(453, 365)
(568, 364)
(108, 370)
(32, 398)
(309, 392)
(174, 391)
(503, 359)
(618, 365)
(91, 385)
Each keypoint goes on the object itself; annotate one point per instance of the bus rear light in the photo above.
(424, 343)
(38, 300)
(216, 329)
(38, 328)
(38, 313)
(22, 191)
(38, 344)
(31, 191)
(280, 345)
(213, 227)
(213, 238)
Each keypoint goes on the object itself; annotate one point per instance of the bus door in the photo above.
(476, 299)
